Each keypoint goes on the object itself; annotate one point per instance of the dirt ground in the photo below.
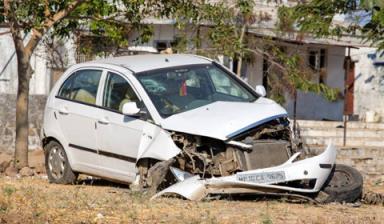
(34, 200)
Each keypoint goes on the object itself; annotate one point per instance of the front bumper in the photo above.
(267, 180)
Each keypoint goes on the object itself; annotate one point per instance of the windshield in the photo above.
(178, 89)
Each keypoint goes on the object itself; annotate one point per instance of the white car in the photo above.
(138, 119)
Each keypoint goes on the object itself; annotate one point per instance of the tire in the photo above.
(57, 165)
(344, 184)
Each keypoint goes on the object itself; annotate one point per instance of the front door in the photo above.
(118, 135)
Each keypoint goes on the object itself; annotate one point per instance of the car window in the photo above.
(81, 86)
(223, 84)
(178, 89)
(117, 92)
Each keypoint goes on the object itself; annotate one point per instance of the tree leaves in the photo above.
(316, 17)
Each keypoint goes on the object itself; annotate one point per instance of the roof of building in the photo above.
(140, 63)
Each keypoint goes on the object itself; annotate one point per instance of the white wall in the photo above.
(316, 107)
(8, 83)
(40, 79)
(254, 71)
(309, 105)
(369, 82)
(39, 83)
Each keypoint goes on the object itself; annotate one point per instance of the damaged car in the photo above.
(184, 125)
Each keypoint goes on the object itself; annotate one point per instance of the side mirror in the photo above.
(130, 109)
(261, 90)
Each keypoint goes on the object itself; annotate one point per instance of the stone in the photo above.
(26, 172)
(40, 168)
(4, 165)
(11, 171)
(99, 218)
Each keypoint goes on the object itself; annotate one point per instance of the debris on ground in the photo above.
(373, 198)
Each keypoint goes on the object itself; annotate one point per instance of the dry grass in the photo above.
(34, 200)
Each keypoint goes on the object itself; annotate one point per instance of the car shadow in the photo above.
(265, 197)
(97, 182)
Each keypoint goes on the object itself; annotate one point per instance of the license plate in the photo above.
(262, 178)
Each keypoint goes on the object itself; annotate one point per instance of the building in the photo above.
(325, 56)
(369, 83)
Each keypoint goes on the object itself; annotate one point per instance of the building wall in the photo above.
(369, 82)
(39, 83)
(7, 121)
(309, 105)
(254, 71)
(8, 64)
(316, 107)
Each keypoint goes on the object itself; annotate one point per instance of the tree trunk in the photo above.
(240, 57)
(239, 64)
(22, 124)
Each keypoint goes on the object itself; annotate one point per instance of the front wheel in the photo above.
(57, 165)
(344, 184)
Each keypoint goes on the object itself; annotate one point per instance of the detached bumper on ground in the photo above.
(303, 176)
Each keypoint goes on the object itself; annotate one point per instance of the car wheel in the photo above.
(344, 184)
(57, 165)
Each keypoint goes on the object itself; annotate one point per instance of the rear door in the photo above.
(77, 114)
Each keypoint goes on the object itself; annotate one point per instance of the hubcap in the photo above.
(340, 179)
(56, 162)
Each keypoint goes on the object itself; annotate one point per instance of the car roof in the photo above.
(141, 63)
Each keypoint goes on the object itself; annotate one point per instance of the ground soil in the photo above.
(34, 200)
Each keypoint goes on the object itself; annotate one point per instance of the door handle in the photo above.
(63, 111)
(103, 121)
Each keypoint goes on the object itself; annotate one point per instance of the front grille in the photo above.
(267, 153)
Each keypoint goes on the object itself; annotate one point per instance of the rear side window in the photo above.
(81, 86)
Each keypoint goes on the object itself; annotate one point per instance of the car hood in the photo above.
(223, 120)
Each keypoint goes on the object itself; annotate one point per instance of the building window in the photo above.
(317, 62)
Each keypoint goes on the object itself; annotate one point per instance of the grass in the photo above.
(34, 200)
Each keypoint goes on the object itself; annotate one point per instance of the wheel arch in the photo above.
(49, 138)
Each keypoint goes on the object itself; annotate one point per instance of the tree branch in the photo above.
(263, 53)
(47, 12)
(14, 29)
(48, 23)
(5, 33)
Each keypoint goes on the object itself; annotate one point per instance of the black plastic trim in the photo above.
(104, 153)
(325, 166)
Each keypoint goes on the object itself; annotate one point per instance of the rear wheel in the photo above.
(57, 165)
(344, 184)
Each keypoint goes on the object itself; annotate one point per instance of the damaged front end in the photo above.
(304, 176)
(262, 159)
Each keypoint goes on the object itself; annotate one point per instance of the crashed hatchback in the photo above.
(181, 124)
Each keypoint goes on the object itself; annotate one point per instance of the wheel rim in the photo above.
(340, 179)
(56, 162)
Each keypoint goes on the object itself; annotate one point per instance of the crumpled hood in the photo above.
(223, 120)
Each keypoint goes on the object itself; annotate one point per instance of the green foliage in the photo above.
(224, 25)
(109, 23)
(289, 72)
(316, 17)
(374, 30)
(2, 17)
(8, 190)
